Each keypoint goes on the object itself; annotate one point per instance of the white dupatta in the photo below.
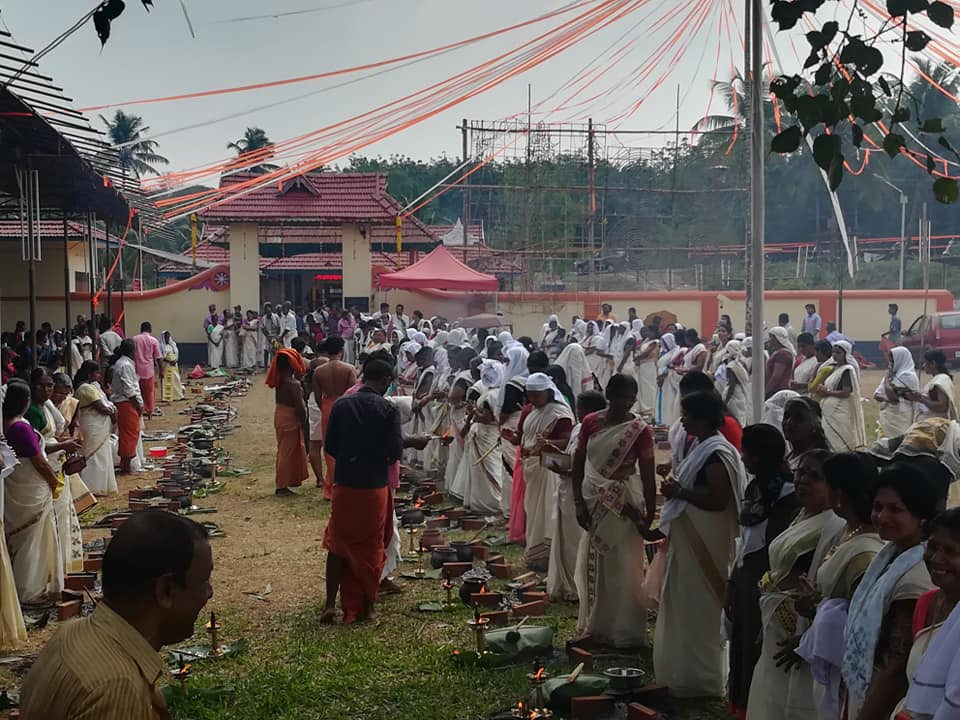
(843, 417)
(690, 466)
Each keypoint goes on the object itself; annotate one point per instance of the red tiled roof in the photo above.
(323, 197)
(303, 261)
(49, 229)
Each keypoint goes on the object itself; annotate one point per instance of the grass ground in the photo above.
(400, 665)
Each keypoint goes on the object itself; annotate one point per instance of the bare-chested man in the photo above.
(315, 451)
(331, 380)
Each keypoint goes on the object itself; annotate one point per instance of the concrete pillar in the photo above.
(357, 268)
(244, 266)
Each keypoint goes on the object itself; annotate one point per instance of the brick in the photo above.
(119, 521)
(636, 711)
(534, 596)
(576, 655)
(433, 499)
(496, 559)
(500, 571)
(452, 570)
(528, 587)
(438, 522)
(92, 564)
(68, 609)
(497, 617)
(79, 581)
(143, 493)
(488, 599)
(481, 552)
(456, 514)
(473, 524)
(590, 706)
(531, 609)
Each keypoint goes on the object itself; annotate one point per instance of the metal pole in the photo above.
(842, 271)
(903, 238)
(591, 208)
(92, 277)
(123, 321)
(757, 214)
(33, 240)
(465, 192)
(67, 328)
(106, 266)
(925, 255)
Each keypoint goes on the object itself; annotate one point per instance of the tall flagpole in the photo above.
(757, 141)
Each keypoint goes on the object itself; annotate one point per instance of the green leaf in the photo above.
(857, 134)
(930, 165)
(786, 14)
(885, 86)
(787, 141)
(932, 125)
(940, 14)
(829, 31)
(916, 40)
(945, 190)
(825, 149)
(808, 111)
(892, 144)
(900, 115)
(812, 59)
(835, 173)
(899, 8)
(822, 76)
(944, 143)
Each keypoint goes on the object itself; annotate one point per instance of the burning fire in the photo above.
(538, 676)
(418, 504)
(182, 669)
(483, 590)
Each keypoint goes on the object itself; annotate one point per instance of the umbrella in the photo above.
(484, 320)
(666, 318)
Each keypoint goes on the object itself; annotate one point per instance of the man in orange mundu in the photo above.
(330, 381)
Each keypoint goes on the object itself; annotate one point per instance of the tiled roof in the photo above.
(210, 252)
(321, 197)
(49, 229)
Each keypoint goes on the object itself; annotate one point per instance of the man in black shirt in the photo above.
(364, 436)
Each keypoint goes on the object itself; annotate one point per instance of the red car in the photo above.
(934, 331)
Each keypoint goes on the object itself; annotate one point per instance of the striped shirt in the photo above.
(96, 668)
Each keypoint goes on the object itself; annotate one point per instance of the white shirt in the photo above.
(288, 326)
(126, 383)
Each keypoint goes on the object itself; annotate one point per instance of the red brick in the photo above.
(590, 706)
(534, 596)
(489, 599)
(438, 522)
(497, 617)
(653, 694)
(68, 609)
(473, 524)
(433, 499)
(636, 711)
(531, 609)
(92, 564)
(500, 571)
(451, 570)
(481, 552)
(119, 521)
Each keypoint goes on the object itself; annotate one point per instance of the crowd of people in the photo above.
(804, 570)
(797, 567)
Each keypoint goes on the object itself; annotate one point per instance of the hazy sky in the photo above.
(153, 54)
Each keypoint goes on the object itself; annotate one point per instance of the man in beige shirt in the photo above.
(156, 580)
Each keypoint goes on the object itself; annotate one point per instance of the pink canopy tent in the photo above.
(439, 271)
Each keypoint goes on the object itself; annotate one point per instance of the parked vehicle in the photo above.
(934, 331)
(614, 262)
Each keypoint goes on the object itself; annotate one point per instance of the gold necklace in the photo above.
(845, 536)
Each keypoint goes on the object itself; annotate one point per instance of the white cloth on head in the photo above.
(580, 329)
(457, 337)
(491, 373)
(848, 353)
(516, 367)
(774, 408)
(541, 382)
(897, 417)
(506, 340)
(780, 336)
(576, 367)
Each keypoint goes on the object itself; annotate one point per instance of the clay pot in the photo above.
(464, 550)
(431, 538)
(470, 588)
(442, 554)
(410, 518)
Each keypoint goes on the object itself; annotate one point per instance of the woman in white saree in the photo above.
(897, 410)
(249, 335)
(510, 402)
(457, 398)
(645, 372)
(846, 553)
(231, 348)
(480, 464)
(12, 630)
(669, 381)
(937, 398)
(95, 418)
(737, 395)
(594, 348)
(878, 631)
(614, 490)
(172, 390)
(423, 413)
(29, 518)
(787, 692)
(839, 396)
(215, 338)
(576, 367)
(699, 521)
(547, 420)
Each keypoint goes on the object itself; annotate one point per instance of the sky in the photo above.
(154, 54)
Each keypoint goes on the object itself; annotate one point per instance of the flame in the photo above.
(418, 504)
(182, 669)
(539, 675)
(483, 590)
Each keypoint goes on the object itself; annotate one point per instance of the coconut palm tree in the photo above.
(733, 94)
(138, 157)
(254, 140)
